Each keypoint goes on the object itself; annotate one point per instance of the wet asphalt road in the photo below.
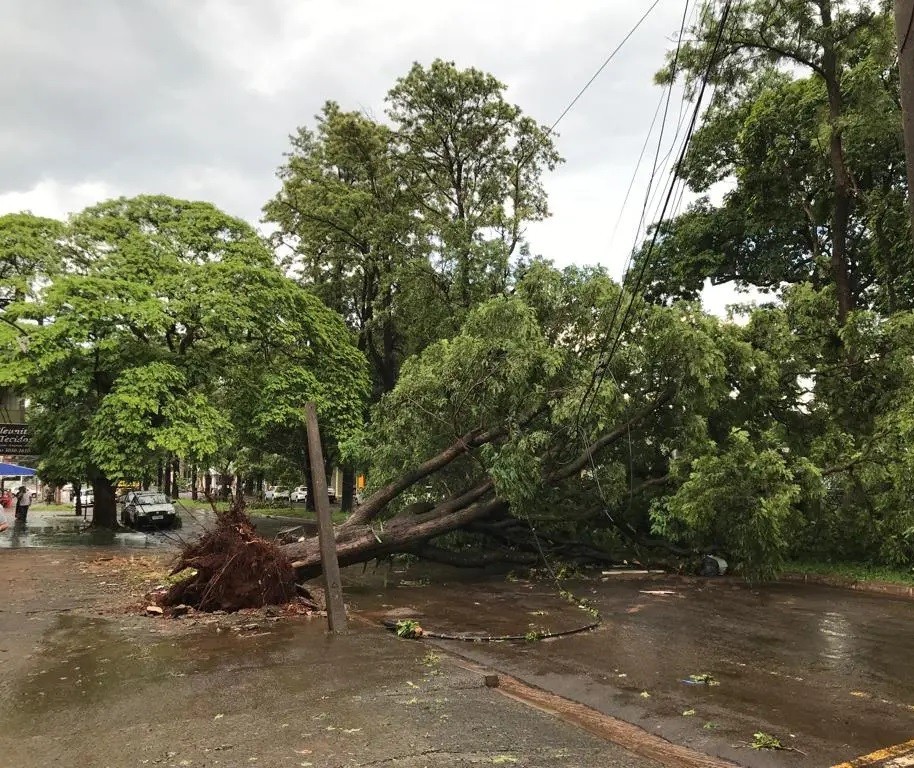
(827, 671)
(59, 528)
(82, 686)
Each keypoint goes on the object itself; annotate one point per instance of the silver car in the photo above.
(148, 509)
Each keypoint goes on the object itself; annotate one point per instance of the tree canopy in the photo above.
(148, 343)
(404, 225)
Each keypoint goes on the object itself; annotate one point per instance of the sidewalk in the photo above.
(85, 690)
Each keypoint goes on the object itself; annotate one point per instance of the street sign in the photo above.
(14, 440)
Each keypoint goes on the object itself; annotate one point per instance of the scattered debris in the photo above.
(154, 610)
(703, 679)
(645, 695)
(711, 565)
(409, 629)
(688, 713)
(762, 740)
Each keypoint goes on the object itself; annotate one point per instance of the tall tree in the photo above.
(904, 28)
(805, 120)
(166, 304)
(403, 227)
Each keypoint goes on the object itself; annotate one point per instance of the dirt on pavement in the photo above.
(825, 671)
(85, 683)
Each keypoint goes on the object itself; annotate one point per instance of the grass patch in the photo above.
(277, 510)
(336, 515)
(42, 507)
(852, 571)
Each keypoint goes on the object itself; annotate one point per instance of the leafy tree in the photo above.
(489, 423)
(403, 227)
(805, 124)
(142, 344)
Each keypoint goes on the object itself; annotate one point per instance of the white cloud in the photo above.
(55, 200)
(197, 99)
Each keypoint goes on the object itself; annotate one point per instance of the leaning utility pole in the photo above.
(333, 592)
(904, 28)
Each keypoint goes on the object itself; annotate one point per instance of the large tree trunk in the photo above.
(175, 476)
(104, 513)
(193, 483)
(842, 185)
(904, 28)
(356, 544)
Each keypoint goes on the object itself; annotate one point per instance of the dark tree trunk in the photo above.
(208, 485)
(78, 488)
(193, 483)
(841, 176)
(104, 514)
(356, 544)
(346, 503)
(904, 13)
(175, 476)
(160, 476)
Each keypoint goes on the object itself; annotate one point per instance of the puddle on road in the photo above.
(83, 660)
(60, 531)
(55, 529)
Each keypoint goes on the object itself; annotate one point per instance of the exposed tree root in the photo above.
(232, 568)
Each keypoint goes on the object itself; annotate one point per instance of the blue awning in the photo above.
(14, 470)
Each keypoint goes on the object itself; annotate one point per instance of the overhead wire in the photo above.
(603, 366)
(603, 66)
(594, 383)
(549, 131)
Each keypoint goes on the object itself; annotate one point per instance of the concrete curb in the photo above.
(873, 587)
(620, 732)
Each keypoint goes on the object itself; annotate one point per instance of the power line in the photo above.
(600, 370)
(551, 129)
(603, 66)
(617, 305)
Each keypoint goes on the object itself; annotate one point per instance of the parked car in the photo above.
(86, 498)
(299, 494)
(277, 493)
(148, 509)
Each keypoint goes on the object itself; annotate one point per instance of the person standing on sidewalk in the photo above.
(23, 502)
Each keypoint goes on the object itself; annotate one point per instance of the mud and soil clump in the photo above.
(231, 568)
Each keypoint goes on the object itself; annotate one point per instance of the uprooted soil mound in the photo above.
(232, 568)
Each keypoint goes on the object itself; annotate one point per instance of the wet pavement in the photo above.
(826, 671)
(62, 528)
(83, 690)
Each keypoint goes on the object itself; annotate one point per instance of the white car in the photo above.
(299, 494)
(147, 508)
(86, 499)
(277, 493)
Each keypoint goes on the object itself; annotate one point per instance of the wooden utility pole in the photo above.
(904, 28)
(336, 609)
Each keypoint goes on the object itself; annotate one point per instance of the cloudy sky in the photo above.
(196, 99)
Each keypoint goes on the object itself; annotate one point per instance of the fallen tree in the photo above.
(359, 539)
